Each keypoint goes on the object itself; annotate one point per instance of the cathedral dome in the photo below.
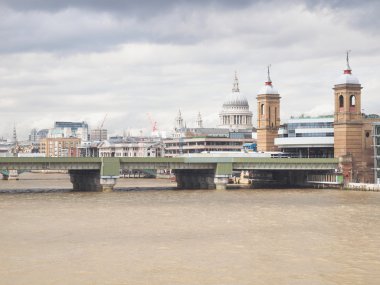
(235, 98)
(235, 113)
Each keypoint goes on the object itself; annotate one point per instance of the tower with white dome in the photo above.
(347, 92)
(235, 113)
(348, 119)
(268, 116)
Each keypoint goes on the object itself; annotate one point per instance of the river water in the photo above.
(185, 237)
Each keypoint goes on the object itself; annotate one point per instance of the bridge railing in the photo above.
(112, 166)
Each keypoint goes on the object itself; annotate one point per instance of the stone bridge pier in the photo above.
(90, 180)
(195, 178)
(11, 174)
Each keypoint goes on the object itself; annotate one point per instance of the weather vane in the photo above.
(269, 80)
(348, 60)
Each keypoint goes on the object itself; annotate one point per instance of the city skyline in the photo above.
(80, 60)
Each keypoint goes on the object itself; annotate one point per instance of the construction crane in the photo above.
(104, 119)
(100, 128)
(153, 123)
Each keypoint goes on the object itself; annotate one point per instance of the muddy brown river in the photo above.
(140, 235)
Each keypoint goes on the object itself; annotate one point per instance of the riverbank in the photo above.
(362, 187)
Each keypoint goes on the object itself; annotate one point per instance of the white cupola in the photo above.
(347, 77)
(268, 87)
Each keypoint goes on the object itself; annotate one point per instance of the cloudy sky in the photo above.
(81, 59)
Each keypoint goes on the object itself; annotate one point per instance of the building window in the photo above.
(352, 101)
(262, 109)
(341, 101)
(275, 115)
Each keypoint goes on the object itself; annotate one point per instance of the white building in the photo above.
(5, 148)
(235, 129)
(235, 112)
(307, 137)
(208, 143)
(130, 149)
(69, 130)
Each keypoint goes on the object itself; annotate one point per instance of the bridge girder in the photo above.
(112, 166)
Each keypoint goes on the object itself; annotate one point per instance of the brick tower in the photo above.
(268, 116)
(348, 122)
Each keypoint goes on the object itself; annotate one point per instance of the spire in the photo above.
(235, 88)
(14, 134)
(269, 81)
(179, 120)
(348, 69)
(199, 120)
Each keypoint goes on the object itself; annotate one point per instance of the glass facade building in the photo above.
(70, 129)
(307, 137)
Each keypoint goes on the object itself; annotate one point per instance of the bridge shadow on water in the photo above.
(231, 188)
(34, 190)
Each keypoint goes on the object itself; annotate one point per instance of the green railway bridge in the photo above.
(100, 174)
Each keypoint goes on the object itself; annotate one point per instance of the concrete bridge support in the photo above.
(194, 179)
(90, 180)
(221, 182)
(85, 180)
(11, 174)
(107, 183)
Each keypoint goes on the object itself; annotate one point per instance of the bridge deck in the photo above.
(112, 165)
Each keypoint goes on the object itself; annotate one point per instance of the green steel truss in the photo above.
(111, 166)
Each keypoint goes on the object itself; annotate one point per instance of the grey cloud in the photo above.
(175, 57)
(142, 8)
(342, 4)
(77, 31)
(363, 15)
(148, 8)
(85, 26)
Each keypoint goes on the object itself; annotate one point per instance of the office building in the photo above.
(60, 147)
(307, 137)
